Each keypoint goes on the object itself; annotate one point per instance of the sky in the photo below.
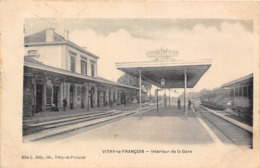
(229, 43)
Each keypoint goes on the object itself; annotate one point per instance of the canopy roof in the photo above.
(61, 75)
(171, 71)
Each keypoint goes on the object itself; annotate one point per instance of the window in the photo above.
(236, 92)
(92, 68)
(72, 63)
(84, 68)
(241, 91)
(48, 94)
(78, 91)
(232, 93)
(32, 52)
(250, 91)
(245, 91)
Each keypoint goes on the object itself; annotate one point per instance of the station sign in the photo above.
(162, 54)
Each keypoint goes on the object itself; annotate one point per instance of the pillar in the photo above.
(107, 96)
(111, 95)
(140, 94)
(157, 97)
(169, 97)
(165, 99)
(44, 97)
(119, 97)
(61, 94)
(95, 96)
(34, 94)
(116, 94)
(185, 86)
(87, 95)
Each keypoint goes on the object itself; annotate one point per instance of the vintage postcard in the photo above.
(129, 84)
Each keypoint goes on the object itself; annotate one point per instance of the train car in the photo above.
(237, 95)
(242, 96)
(216, 99)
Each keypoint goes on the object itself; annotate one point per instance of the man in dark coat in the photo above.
(64, 104)
(179, 104)
(189, 104)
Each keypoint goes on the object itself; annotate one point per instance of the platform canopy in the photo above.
(172, 72)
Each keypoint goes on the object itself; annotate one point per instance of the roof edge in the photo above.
(162, 63)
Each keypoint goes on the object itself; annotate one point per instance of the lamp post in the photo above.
(163, 84)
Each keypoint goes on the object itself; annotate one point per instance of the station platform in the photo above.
(169, 125)
(54, 115)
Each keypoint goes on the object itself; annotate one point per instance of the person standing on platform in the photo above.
(189, 104)
(64, 104)
(125, 102)
(179, 104)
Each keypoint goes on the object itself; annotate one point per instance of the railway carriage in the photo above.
(237, 95)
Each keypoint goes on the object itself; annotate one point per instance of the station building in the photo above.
(56, 68)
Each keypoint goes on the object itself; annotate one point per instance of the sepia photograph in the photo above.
(92, 88)
(164, 74)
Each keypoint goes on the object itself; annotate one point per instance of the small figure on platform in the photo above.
(125, 102)
(179, 104)
(64, 104)
(54, 107)
(189, 104)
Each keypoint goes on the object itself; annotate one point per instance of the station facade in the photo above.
(56, 68)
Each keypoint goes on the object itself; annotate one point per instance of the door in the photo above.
(90, 95)
(98, 98)
(104, 98)
(39, 96)
(83, 90)
(55, 95)
(71, 96)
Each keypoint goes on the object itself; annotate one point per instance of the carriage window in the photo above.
(236, 92)
(245, 91)
(232, 93)
(250, 91)
(241, 91)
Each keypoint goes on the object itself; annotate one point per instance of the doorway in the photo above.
(83, 97)
(91, 97)
(98, 98)
(55, 95)
(104, 98)
(39, 96)
(71, 96)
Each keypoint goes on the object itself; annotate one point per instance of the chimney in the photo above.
(66, 34)
(50, 35)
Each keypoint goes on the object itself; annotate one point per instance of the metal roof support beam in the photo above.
(169, 97)
(165, 99)
(185, 87)
(140, 94)
(157, 98)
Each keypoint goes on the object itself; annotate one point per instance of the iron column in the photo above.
(140, 94)
(165, 99)
(185, 86)
(157, 97)
(169, 97)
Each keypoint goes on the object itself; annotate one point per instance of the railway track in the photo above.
(55, 129)
(233, 133)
